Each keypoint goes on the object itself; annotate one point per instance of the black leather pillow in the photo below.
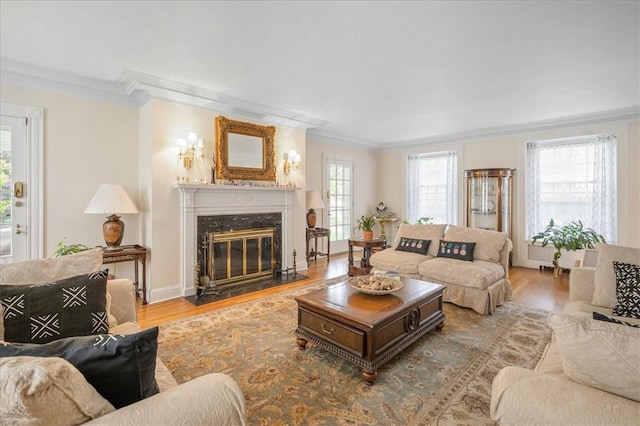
(413, 245)
(456, 250)
(120, 367)
(41, 313)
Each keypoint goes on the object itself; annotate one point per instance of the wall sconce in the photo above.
(291, 162)
(187, 156)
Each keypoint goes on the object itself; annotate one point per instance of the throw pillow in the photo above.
(627, 290)
(601, 317)
(39, 271)
(599, 354)
(604, 278)
(456, 250)
(47, 391)
(120, 367)
(413, 245)
(41, 313)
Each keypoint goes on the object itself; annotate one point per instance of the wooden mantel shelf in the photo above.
(192, 187)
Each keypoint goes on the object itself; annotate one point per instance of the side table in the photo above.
(315, 233)
(368, 246)
(131, 253)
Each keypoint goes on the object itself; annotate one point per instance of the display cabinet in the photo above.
(490, 199)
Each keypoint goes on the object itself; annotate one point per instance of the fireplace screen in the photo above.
(242, 255)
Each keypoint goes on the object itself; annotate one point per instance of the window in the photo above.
(340, 200)
(572, 179)
(433, 187)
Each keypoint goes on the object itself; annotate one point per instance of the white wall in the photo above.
(86, 143)
(508, 152)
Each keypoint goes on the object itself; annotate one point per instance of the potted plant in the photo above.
(365, 224)
(570, 237)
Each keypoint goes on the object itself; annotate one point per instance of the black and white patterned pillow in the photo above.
(606, 318)
(627, 290)
(41, 313)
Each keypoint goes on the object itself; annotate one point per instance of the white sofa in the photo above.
(212, 399)
(481, 285)
(590, 372)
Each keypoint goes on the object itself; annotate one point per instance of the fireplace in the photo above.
(237, 248)
(207, 210)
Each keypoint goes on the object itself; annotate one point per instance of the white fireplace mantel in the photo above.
(211, 200)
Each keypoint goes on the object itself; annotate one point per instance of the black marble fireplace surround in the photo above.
(236, 222)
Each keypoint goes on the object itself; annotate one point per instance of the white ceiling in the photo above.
(373, 72)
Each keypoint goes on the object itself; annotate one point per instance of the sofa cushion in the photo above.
(413, 245)
(599, 354)
(627, 290)
(401, 262)
(47, 391)
(41, 313)
(40, 271)
(605, 278)
(489, 244)
(458, 250)
(582, 307)
(432, 232)
(120, 367)
(478, 274)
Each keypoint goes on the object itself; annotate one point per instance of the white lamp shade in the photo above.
(314, 200)
(111, 198)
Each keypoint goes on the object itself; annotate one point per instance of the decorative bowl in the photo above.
(376, 285)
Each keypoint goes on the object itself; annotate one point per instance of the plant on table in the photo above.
(63, 249)
(365, 224)
(572, 236)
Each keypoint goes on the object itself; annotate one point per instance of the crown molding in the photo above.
(36, 77)
(144, 87)
(337, 139)
(623, 114)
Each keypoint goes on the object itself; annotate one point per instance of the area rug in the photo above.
(442, 379)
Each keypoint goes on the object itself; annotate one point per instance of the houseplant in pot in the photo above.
(365, 224)
(570, 237)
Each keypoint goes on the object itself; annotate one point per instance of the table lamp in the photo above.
(314, 201)
(112, 198)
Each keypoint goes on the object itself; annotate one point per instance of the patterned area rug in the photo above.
(442, 379)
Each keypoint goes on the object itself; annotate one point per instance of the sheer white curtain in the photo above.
(432, 187)
(572, 179)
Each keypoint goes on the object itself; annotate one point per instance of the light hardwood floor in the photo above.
(531, 287)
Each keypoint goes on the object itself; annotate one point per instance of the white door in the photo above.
(14, 190)
(338, 190)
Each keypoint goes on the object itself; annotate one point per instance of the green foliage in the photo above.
(421, 221)
(573, 236)
(366, 223)
(5, 189)
(63, 249)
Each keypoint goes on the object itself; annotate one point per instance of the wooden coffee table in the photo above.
(368, 330)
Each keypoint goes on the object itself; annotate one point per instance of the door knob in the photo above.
(18, 230)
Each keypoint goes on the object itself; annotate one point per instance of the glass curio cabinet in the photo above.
(489, 199)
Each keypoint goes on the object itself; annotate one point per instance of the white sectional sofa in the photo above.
(482, 284)
(590, 372)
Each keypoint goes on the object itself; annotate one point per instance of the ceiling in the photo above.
(377, 73)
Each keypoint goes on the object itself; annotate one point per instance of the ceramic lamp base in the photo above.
(311, 219)
(113, 230)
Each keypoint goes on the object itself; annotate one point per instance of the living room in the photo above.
(110, 118)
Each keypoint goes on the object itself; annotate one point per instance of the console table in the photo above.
(131, 253)
(314, 234)
(367, 249)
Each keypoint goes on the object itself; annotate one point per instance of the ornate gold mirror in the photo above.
(245, 151)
